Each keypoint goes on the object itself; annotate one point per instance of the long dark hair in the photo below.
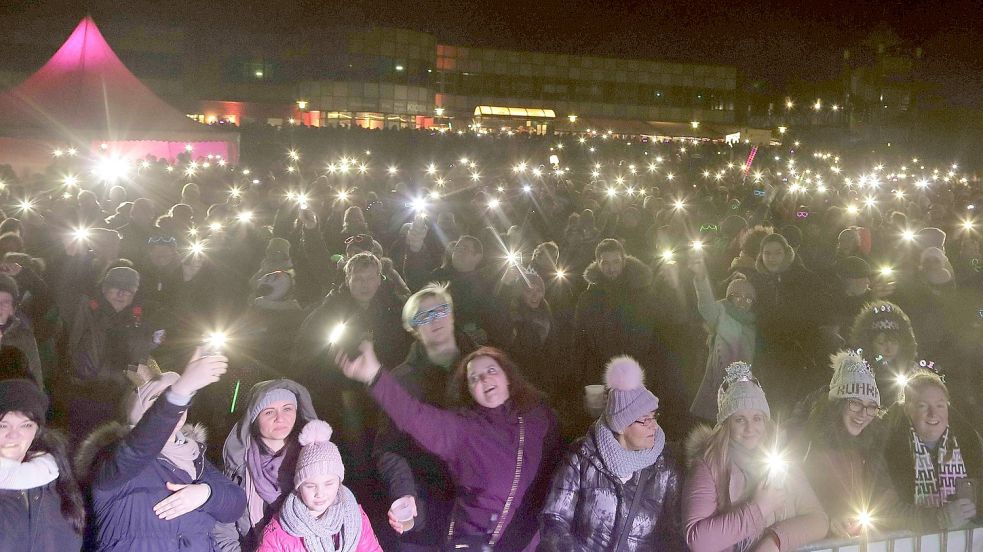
(52, 442)
(825, 428)
(523, 394)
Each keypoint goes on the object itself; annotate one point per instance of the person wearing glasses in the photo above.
(410, 473)
(498, 441)
(740, 493)
(732, 333)
(843, 456)
(930, 448)
(619, 488)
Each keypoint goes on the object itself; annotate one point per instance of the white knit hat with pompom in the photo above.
(628, 399)
(319, 455)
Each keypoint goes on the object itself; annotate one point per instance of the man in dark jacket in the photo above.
(615, 314)
(364, 306)
(406, 469)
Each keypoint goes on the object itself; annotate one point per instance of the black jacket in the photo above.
(31, 521)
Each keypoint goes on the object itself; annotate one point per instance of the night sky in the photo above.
(776, 41)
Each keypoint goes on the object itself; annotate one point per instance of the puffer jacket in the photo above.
(588, 506)
(128, 476)
(277, 539)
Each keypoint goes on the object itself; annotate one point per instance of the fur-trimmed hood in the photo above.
(636, 275)
(696, 443)
(889, 315)
(759, 264)
(109, 435)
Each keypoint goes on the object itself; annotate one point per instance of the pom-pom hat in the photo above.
(740, 391)
(319, 456)
(853, 378)
(628, 399)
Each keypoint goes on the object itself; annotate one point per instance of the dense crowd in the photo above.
(428, 341)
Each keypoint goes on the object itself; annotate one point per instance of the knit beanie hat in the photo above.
(931, 237)
(21, 395)
(740, 391)
(319, 456)
(9, 285)
(273, 396)
(628, 399)
(852, 378)
(121, 277)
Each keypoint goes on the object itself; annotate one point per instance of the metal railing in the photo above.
(969, 539)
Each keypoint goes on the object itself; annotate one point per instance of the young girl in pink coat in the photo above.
(321, 515)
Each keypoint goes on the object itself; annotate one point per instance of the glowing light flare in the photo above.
(215, 227)
(392, 170)
(25, 205)
(70, 181)
(668, 256)
(294, 155)
(886, 271)
(419, 204)
(245, 217)
(80, 234)
(612, 192)
(110, 168)
(494, 203)
(435, 195)
(679, 205)
(908, 235)
(343, 195)
(852, 209)
(697, 245)
(196, 248)
(336, 333)
(215, 342)
(777, 467)
(968, 224)
(527, 188)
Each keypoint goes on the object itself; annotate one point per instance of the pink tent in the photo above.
(84, 97)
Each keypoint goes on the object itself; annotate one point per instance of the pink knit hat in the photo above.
(628, 399)
(319, 455)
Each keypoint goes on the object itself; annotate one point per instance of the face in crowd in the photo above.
(886, 345)
(17, 432)
(487, 382)
(465, 256)
(437, 334)
(857, 415)
(747, 427)
(364, 282)
(640, 434)
(319, 492)
(275, 422)
(117, 298)
(927, 406)
(612, 264)
(773, 256)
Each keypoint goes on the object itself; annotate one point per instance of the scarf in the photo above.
(343, 518)
(182, 451)
(621, 461)
(935, 478)
(269, 474)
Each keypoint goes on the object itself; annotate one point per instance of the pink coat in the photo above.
(277, 539)
(714, 523)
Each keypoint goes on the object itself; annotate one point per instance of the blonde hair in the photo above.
(433, 289)
(717, 454)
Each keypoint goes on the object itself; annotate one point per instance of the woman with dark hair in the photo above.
(499, 447)
(260, 456)
(883, 334)
(41, 508)
(843, 457)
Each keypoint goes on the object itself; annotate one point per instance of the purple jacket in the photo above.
(479, 446)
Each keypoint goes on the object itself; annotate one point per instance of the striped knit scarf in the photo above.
(933, 487)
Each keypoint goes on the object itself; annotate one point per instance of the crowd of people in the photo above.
(429, 341)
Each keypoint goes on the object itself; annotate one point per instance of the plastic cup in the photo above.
(594, 399)
(403, 512)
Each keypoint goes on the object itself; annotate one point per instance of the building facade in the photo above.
(394, 78)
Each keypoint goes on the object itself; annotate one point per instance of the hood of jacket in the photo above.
(787, 262)
(108, 435)
(696, 443)
(635, 275)
(239, 439)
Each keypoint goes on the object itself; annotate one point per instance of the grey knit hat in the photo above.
(121, 277)
(266, 400)
(628, 399)
(740, 391)
(852, 378)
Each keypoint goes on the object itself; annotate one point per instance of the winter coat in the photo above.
(847, 476)
(238, 533)
(403, 465)
(614, 318)
(479, 447)
(588, 505)
(277, 539)
(103, 342)
(788, 307)
(19, 334)
(31, 521)
(716, 522)
(127, 477)
(899, 454)
(477, 310)
(730, 341)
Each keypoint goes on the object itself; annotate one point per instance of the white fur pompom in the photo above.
(624, 374)
(316, 431)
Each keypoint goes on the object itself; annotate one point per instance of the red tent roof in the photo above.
(85, 92)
